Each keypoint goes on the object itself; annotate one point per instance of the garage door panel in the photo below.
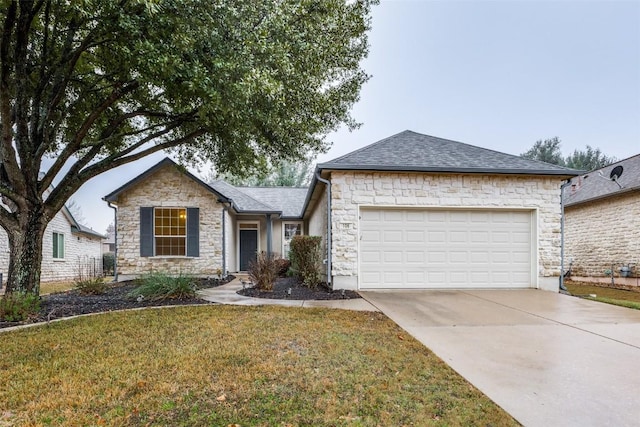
(437, 248)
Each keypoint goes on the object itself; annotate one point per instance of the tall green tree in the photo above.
(547, 151)
(94, 85)
(286, 173)
(588, 160)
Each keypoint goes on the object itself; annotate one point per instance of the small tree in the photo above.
(306, 259)
(589, 159)
(547, 151)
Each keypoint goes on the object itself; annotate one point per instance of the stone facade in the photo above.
(603, 233)
(317, 224)
(350, 190)
(168, 187)
(81, 253)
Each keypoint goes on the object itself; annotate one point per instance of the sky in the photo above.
(495, 74)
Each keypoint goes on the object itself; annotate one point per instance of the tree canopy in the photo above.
(94, 85)
(548, 151)
(286, 173)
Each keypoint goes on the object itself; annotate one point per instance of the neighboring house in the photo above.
(68, 250)
(602, 223)
(409, 211)
(108, 244)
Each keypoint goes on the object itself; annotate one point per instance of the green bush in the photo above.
(158, 286)
(19, 306)
(108, 263)
(91, 286)
(306, 259)
(263, 272)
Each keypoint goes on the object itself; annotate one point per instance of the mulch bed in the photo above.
(298, 292)
(73, 303)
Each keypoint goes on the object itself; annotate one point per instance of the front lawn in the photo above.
(220, 365)
(623, 297)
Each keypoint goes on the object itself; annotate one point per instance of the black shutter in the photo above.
(193, 232)
(146, 232)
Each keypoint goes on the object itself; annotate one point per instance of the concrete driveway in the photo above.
(547, 359)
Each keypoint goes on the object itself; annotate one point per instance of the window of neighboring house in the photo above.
(289, 230)
(170, 231)
(58, 245)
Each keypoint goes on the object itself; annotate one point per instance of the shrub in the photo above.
(263, 272)
(19, 306)
(108, 263)
(92, 286)
(306, 260)
(282, 266)
(158, 286)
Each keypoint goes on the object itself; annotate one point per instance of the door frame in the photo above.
(299, 223)
(256, 228)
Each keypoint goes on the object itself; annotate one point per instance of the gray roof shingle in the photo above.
(242, 201)
(597, 185)
(411, 151)
(288, 200)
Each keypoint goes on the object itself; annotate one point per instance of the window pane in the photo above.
(58, 245)
(166, 246)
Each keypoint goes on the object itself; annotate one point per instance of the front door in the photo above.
(248, 247)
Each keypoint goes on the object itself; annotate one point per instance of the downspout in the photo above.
(115, 241)
(224, 239)
(328, 184)
(562, 187)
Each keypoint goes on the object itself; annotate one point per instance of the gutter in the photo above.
(115, 241)
(328, 184)
(562, 187)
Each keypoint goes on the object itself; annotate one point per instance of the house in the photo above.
(602, 223)
(69, 249)
(409, 211)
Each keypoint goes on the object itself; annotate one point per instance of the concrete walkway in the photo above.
(227, 294)
(547, 359)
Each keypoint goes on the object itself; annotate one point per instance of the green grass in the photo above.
(220, 365)
(621, 297)
(54, 287)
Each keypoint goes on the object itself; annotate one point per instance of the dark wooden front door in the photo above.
(248, 248)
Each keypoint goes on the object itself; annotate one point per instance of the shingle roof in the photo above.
(597, 185)
(411, 151)
(288, 200)
(242, 201)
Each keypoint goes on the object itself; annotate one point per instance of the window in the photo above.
(58, 245)
(170, 231)
(289, 229)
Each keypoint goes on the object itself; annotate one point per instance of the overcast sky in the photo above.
(496, 74)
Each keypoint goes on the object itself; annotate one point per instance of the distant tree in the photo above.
(284, 174)
(76, 211)
(547, 151)
(588, 160)
(111, 231)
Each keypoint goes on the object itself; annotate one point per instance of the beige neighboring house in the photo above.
(68, 248)
(602, 224)
(411, 211)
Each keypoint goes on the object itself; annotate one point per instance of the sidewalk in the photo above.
(227, 294)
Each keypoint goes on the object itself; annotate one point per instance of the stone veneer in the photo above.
(601, 233)
(168, 187)
(350, 190)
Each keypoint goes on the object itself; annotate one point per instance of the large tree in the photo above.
(547, 151)
(588, 160)
(94, 85)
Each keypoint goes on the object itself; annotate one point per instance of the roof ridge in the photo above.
(244, 194)
(366, 146)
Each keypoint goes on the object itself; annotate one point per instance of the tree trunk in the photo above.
(25, 256)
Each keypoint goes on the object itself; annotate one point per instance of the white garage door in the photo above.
(437, 248)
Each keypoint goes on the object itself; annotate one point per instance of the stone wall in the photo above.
(168, 187)
(601, 233)
(317, 224)
(353, 189)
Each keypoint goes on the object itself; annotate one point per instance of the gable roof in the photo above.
(78, 228)
(414, 152)
(596, 184)
(113, 196)
(288, 200)
(242, 202)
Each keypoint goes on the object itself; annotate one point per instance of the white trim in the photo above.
(64, 246)
(186, 218)
(282, 240)
(535, 229)
(238, 228)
